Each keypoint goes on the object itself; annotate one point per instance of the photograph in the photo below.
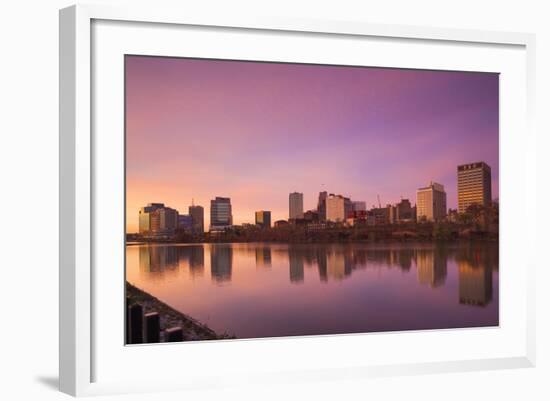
(274, 199)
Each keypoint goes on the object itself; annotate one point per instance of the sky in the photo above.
(256, 131)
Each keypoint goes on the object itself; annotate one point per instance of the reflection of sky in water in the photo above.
(262, 290)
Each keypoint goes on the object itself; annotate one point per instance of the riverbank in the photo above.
(335, 233)
(193, 330)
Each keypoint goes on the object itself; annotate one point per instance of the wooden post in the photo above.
(135, 324)
(173, 335)
(152, 327)
(127, 320)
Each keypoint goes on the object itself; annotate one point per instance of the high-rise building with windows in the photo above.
(220, 214)
(336, 208)
(145, 217)
(197, 215)
(263, 218)
(322, 206)
(431, 202)
(359, 206)
(295, 205)
(474, 185)
(156, 219)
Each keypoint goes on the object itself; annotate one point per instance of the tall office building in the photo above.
(348, 208)
(359, 206)
(197, 215)
(168, 221)
(263, 218)
(336, 208)
(295, 205)
(474, 185)
(220, 214)
(431, 202)
(322, 206)
(158, 220)
(145, 217)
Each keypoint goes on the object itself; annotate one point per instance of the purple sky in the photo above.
(256, 131)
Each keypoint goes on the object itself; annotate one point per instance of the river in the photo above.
(255, 290)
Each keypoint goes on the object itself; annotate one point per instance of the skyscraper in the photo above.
(220, 213)
(295, 205)
(336, 208)
(158, 220)
(322, 206)
(474, 185)
(263, 218)
(197, 215)
(348, 207)
(431, 202)
(145, 217)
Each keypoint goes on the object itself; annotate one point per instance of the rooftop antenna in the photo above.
(379, 204)
(192, 201)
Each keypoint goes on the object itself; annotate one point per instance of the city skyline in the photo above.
(273, 129)
(431, 205)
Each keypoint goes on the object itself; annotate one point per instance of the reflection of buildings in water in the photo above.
(391, 257)
(359, 258)
(404, 258)
(475, 284)
(322, 263)
(263, 256)
(221, 262)
(380, 256)
(338, 265)
(157, 258)
(196, 260)
(296, 265)
(162, 258)
(431, 267)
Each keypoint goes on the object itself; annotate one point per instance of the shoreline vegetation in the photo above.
(409, 232)
(193, 330)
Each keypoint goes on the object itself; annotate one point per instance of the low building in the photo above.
(404, 212)
(185, 223)
(452, 215)
(281, 223)
(381, 215)
(311, 216)
(263, 218)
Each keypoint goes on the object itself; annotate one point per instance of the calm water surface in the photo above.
(266, 290)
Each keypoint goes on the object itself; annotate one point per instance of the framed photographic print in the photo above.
(278, 200)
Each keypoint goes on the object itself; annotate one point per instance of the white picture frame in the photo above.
(79, 344)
